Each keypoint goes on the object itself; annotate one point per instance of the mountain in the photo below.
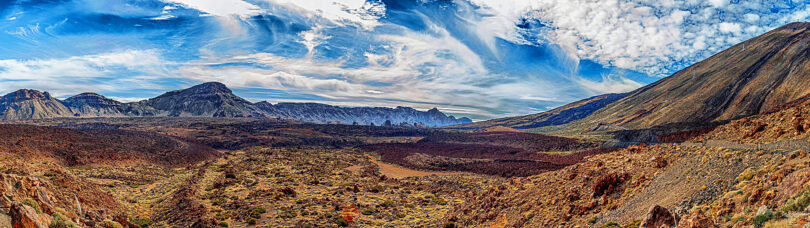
(561, 115)
(95, 105)
(747, 79)
(31, 104)
(322, 113)
(211, 99)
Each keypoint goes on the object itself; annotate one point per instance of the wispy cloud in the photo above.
(102, 72)
(221, 8)
(486, 58)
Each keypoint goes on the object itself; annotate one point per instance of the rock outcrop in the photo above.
(658, 217)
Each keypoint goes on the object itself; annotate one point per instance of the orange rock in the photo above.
(23, 216)
(696, 220)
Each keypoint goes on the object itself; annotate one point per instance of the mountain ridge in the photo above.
(752, 77)
(210, 99)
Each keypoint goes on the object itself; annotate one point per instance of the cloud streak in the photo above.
(482, 58)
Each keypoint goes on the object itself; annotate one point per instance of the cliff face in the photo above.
(210, 99)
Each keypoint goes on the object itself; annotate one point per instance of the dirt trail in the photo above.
(400, 172)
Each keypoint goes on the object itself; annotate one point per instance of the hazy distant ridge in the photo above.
(210, 99)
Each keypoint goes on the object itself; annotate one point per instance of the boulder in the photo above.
(24, 216)
(657, 217)
(696, 220)
(44, 201)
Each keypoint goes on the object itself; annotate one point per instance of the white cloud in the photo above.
(730, 27)
(222, 8)
(609, 84)
(718, 3)
(751, 18)
(241, 77)
(652, 37)
(365, 13)
(66, 76)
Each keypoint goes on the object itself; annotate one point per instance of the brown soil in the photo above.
(399, 172)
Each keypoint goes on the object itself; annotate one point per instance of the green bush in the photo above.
(223, 224)
(368, 211)
(111, 224)
(142, 222)
(439, 201)
(257, 212)
(252, 221)
(387, 204)
(612, 225)
(60, 222)
(763, 218)
(634, 224)
(377, 189)
(342, 223)
(33, 204)
(798, 203)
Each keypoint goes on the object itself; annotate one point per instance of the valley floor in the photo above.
(266, 173)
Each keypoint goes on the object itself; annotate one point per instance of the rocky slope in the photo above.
(31, 104)
(749, 78)
(210, 99)
(791, 123)
(95, 105)
(687, 185)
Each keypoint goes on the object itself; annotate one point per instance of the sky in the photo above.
(476, 58)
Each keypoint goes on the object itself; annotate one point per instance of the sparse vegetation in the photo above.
(111, 224)
(798, 203)
(142, 222)
(760, 220)
(30, 202)
(59, 221)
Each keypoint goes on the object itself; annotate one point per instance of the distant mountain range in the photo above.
(749, 78)
(211, 99)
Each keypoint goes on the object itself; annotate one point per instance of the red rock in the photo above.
(658, 217)
(24, 216)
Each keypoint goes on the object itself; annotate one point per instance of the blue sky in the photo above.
(476, 58)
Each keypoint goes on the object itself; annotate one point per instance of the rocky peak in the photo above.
(212, 99)
(210, 87)
(26, 94)
(89, 99)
